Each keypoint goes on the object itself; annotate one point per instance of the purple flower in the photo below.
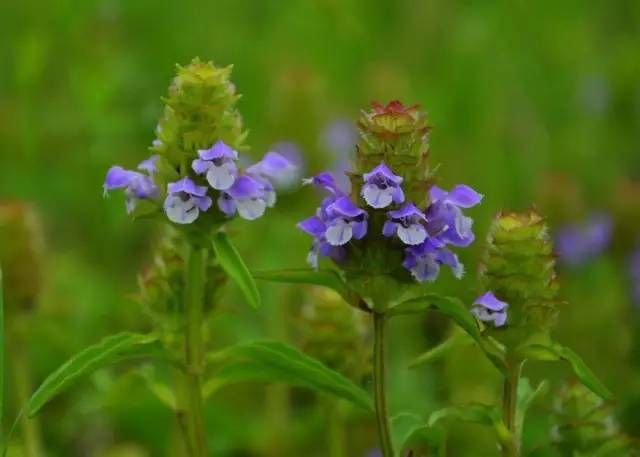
(185, 200)
(345, 221)
(249, 197)
(291, 152)
(578, 243)
(276, 169)
(325, 181)
(488, 308)
(445, 218)
(136, 185)
(408, 223)
(634, 274)
(219, 164)
(316, 227)
(381, 187)
(425, 259)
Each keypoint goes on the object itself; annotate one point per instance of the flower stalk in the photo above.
(379, 383)
(192, 407)
(509, 408)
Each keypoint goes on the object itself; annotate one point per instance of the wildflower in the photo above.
(291, 174)
(445, 217)
(326, 181)
(578, 243)
(248, 197)
(488, 308)
(219, 164)
(424, 260)
(136, 185)
(382, 187)
(408, 223)
(185, 200)
(274, 168)
(345, 221)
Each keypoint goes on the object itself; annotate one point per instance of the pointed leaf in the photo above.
(324, 278)
(233, 264)
(110, 350)
(555, 351)
(455, 341)
(456, 310)
(273, 361)
(526, 396)
(407, 427)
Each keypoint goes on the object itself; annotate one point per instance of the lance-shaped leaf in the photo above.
(526, 396)
(476, 413)
(457, 340)
(555, 351)
(407, 428)
(273, 361)
(110, 350)
(324, 278)
(456, 310)
(232, 263)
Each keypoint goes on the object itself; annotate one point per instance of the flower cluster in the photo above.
(423, 234)
(248, 194)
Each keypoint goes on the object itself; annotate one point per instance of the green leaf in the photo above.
(457, 340)
(456, 310)
(555, 351)
(110, 350)
(526, 396)
(476, 413)
(408, 427)
(324, 278)
(273, 361)
(233, 264)
(1, 355)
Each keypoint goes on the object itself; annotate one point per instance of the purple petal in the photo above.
(149, 165)
(339, 233)
(413, 234)
(383, 171)
(222, 177)
(389, 228)
(489, 301)
(313, 226)
(179, 210)
(186, 185)
(204, 203)
(437, 194)
(226, 204)
(117, 178)
(407, 210)
(464, 196)
(142, 186)
(343, 206)
(377, 197)
(219, 150)
(325, 181)
(359, 229)
(245, 187)
(201, 166)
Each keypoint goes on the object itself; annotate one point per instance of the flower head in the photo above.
(219, 164)
(136, 185)
(445, 217)
(425, 259)
(185, 199)
(488, 308)
(408, 223)
(382, 187)
(344, 222)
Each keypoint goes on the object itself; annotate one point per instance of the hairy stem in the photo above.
(379, 374)
(190, 408)
(509, 408)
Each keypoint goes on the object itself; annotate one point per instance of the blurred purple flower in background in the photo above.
(289, 176)
(340, 137)
(374, 453)
(578, 243)
(634, 274)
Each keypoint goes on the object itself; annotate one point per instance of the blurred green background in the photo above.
(530, 102)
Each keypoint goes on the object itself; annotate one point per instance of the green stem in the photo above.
(509, 408)
(190, 411)
(379, 374)
(336, 432)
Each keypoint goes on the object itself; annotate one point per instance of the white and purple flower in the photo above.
(185, 199)
(488, 308)
(425, 259)
(382, 187)
(249, 197)
(219, 164)
(136, 185)
(408, 223)
(445, 218)
(345, 221)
